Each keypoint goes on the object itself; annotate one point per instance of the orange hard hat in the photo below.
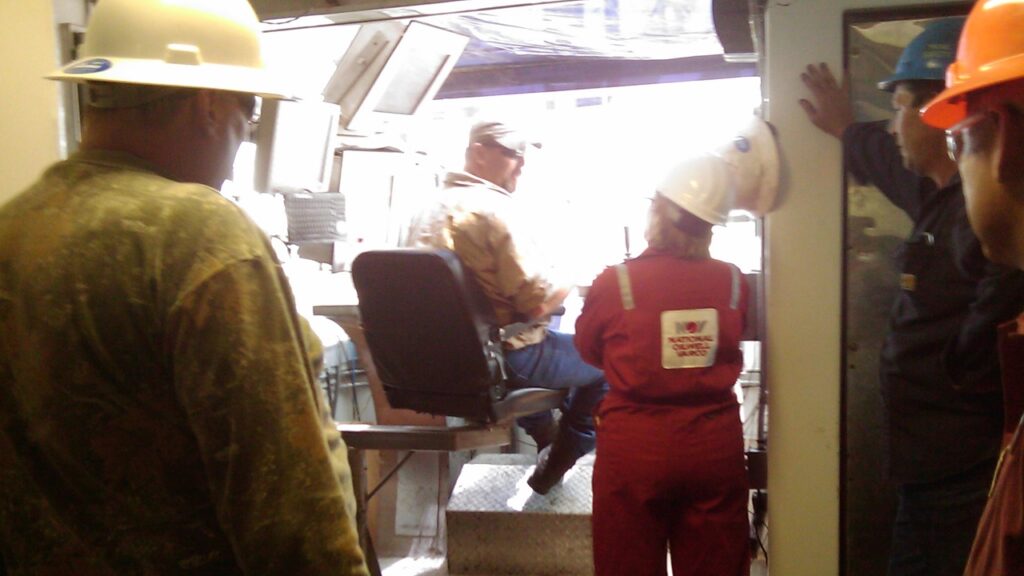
(991, 51)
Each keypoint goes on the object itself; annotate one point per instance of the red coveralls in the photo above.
(670, 470)
(999, 543)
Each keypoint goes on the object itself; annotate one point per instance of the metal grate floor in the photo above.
(492, 503)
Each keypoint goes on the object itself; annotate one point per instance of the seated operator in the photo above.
(477, 219)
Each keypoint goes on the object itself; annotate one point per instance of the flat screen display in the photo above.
(409, 87)
(389, 71)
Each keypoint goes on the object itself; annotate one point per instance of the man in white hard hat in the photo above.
(479, 219)
(159, 413)
(939, 372)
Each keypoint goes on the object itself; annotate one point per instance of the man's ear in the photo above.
(1008, 148)
(475, 154)
(207, 109)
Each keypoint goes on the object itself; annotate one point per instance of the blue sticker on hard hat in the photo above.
(741, 144)
(89, 66)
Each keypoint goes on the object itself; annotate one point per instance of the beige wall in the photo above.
(28, 104)
(804, 250)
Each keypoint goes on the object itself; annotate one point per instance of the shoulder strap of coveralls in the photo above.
(626, 288)
(737, 277)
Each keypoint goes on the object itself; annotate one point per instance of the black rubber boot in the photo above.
(552, 463)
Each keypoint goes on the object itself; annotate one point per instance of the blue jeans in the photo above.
(935, 523)
(555, 364)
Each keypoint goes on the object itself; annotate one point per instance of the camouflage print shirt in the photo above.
(158, 413)
(480, 223)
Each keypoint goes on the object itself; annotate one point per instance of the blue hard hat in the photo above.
(928, 55)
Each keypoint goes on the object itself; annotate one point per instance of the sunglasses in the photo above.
(247, 103)
(250, 107)
(506, 152)
(958, 135)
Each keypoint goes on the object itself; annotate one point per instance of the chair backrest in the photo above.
(431, 332)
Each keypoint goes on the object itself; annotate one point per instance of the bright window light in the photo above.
(604, 152)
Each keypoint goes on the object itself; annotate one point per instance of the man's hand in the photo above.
(831, 110)
(552, 303)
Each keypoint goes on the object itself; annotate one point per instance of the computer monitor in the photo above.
(295, 145)
(389, 71)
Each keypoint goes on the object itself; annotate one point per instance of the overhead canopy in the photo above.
(545, 46)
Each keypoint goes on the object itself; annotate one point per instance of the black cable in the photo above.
(389, 475)
(760, 543)
(759, 512)
(357, 411)
(350, 367)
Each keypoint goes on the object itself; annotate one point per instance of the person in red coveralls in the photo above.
(982, 110)
(665, 327)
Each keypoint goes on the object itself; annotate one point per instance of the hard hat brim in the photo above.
(949, 107)
(757, 198)
(889, 84)
(207, 76)
(770, 182)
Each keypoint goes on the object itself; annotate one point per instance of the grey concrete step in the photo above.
(498, 526)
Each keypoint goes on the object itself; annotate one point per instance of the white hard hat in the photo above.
(703, 186)
(753, 157)
(213, 44)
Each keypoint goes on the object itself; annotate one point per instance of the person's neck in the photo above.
(477, 174)
(160, 163)
(160, 147)
(942, 173)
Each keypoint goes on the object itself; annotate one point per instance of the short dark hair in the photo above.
(112, 95)
(922, 90)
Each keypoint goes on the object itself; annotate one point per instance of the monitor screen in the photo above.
(389, 71)
(295, 144)
(406, 91)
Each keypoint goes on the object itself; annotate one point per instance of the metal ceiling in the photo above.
(530, 46)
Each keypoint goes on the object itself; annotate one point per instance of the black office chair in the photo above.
(434, 338)
(436, 347)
